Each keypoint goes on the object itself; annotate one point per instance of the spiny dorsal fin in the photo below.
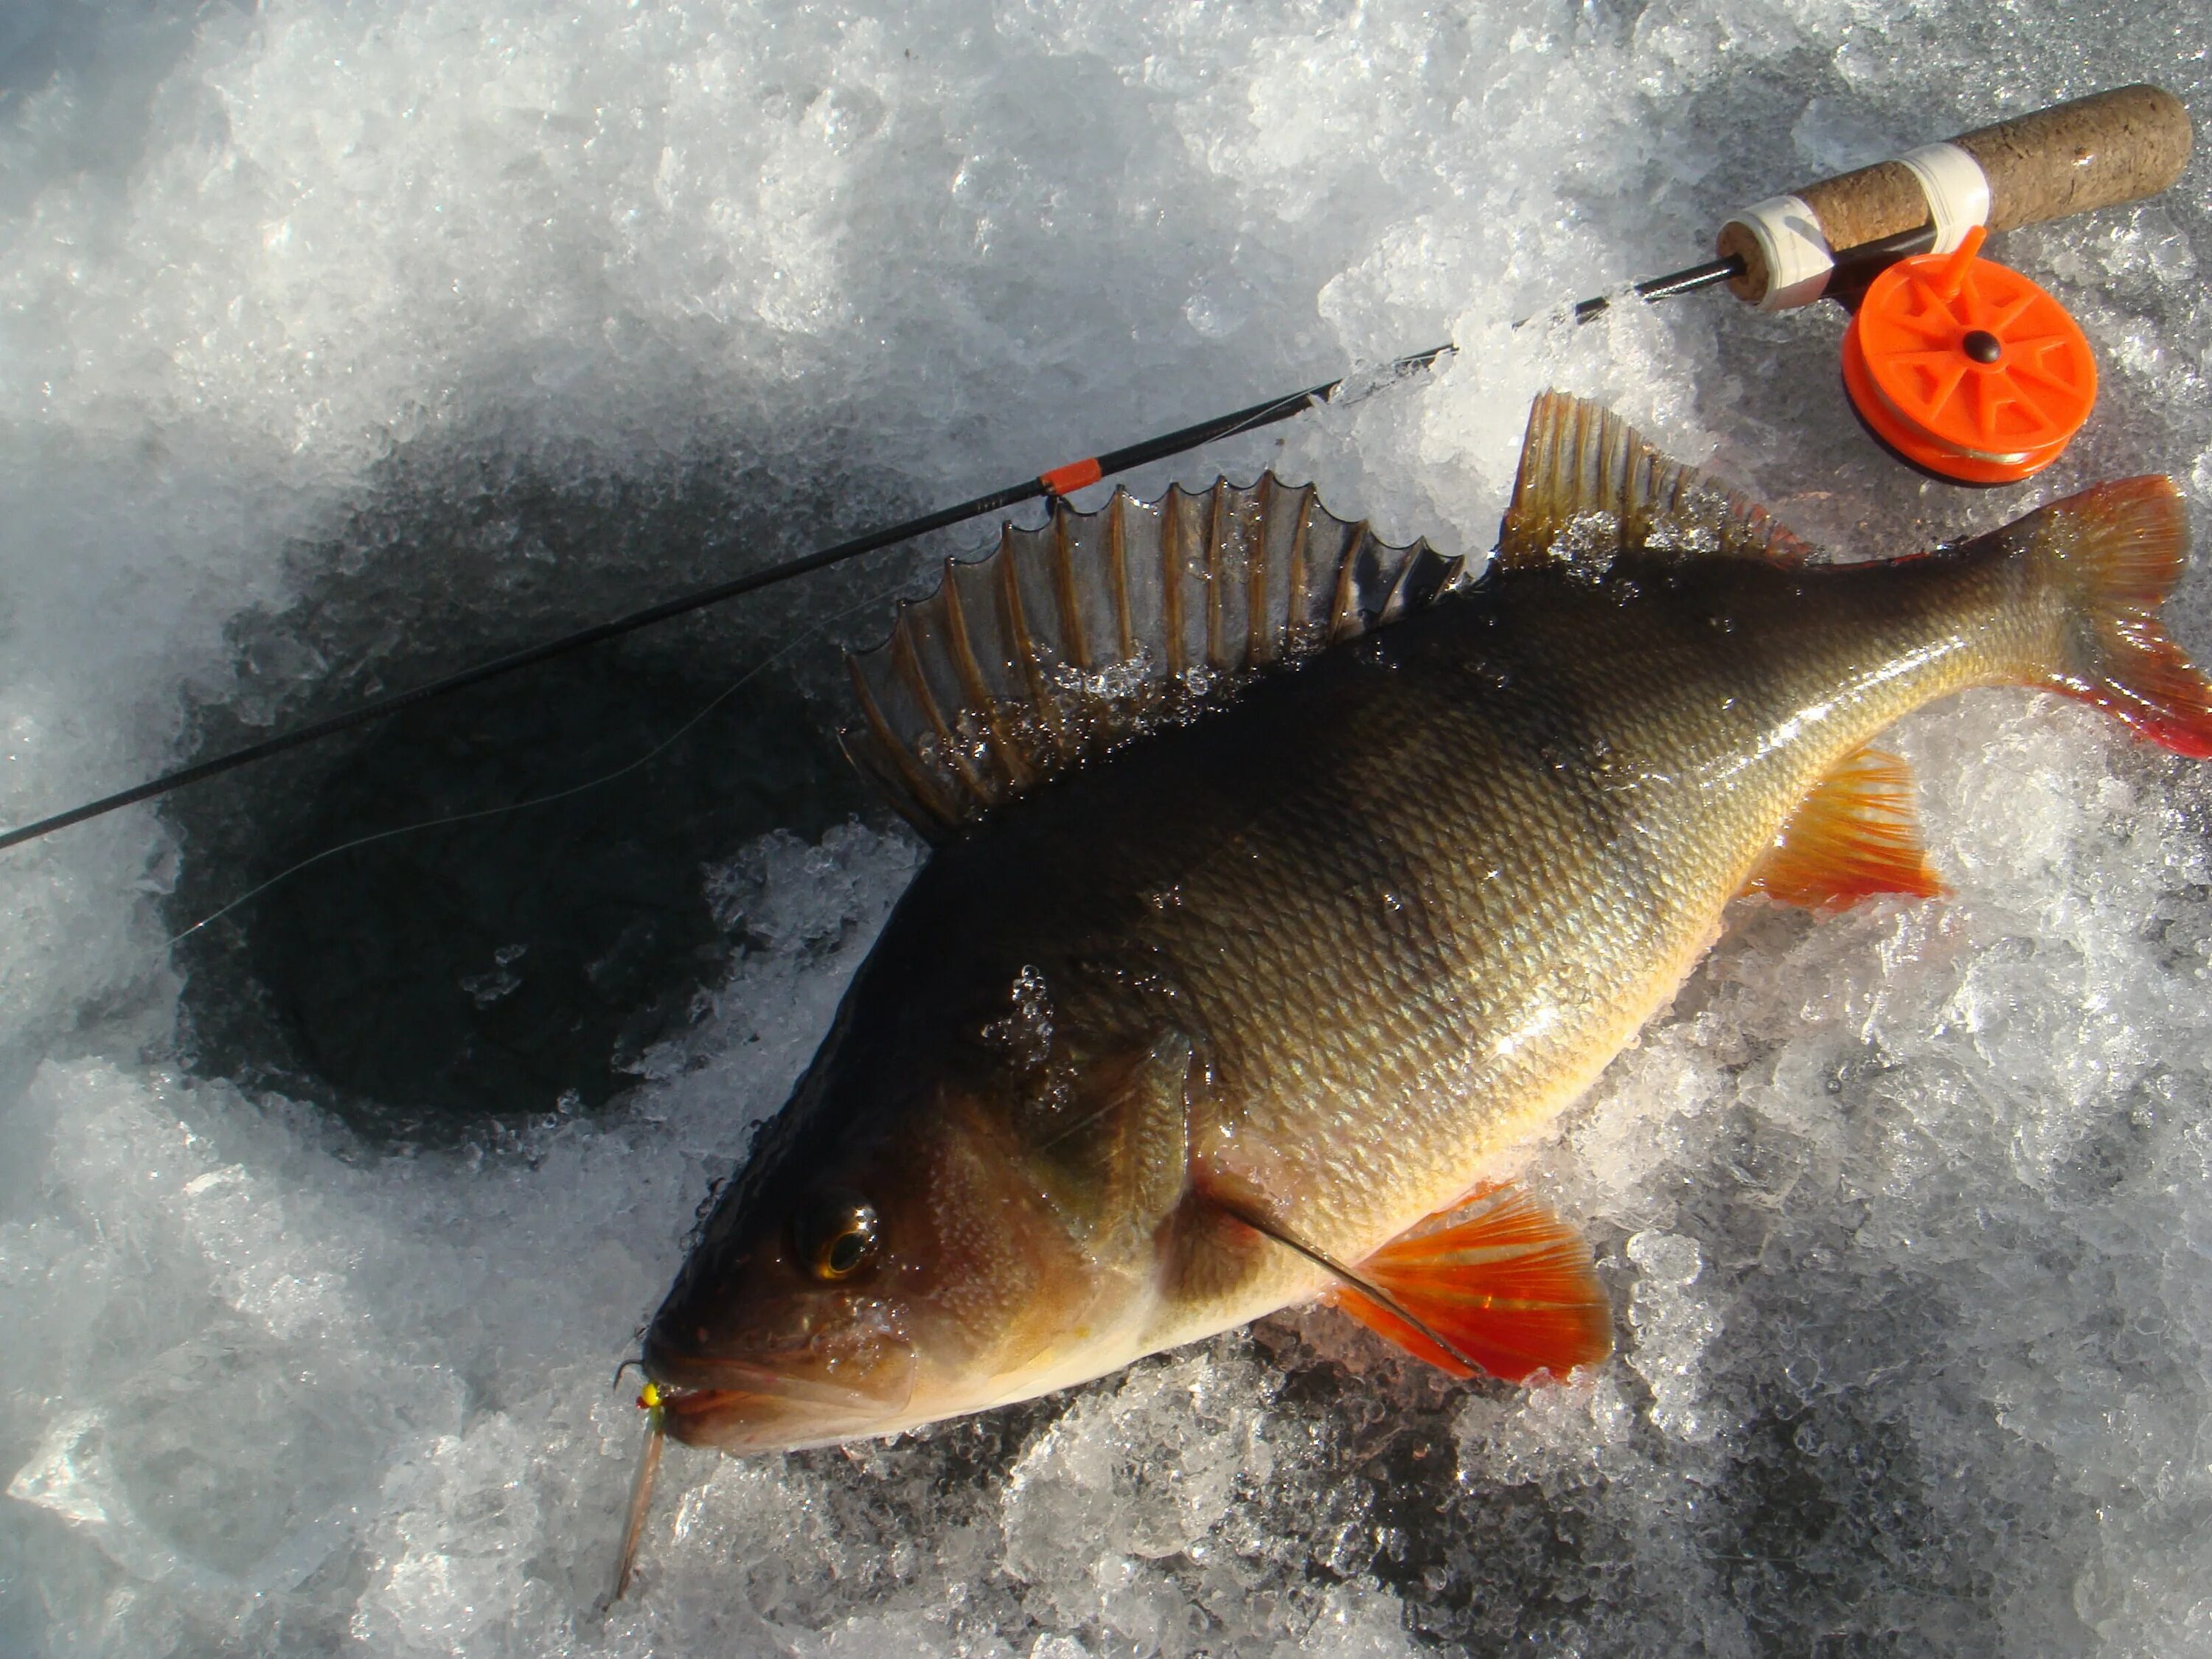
(1590, 486)
(1502, 1280)
(1070, 640)
(1855, 836)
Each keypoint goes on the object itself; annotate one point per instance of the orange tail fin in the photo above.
(2114, 553)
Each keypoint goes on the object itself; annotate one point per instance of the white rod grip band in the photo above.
(1796, 251)
(1957, 190)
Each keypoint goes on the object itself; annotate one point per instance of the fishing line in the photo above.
(622, 771)
(1059, 481)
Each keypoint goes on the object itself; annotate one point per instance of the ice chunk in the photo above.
(1674, 1327)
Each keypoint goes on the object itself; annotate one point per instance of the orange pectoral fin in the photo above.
(1853, 838)
(1502, 1280)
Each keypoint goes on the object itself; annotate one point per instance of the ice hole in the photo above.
(513, 961)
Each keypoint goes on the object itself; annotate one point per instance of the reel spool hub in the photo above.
(1967, 370)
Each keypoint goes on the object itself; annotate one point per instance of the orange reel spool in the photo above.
(1967, 369)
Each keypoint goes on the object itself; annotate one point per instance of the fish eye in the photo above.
(834, 1234)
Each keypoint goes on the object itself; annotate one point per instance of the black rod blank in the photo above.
(1053, 482)
(1666, 288)
(1118, 460)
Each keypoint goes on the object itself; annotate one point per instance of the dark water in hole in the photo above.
(429, 983)
(495, 966)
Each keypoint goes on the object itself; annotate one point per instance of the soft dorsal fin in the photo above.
(1069, 640)
(1854, 836)
(1504, 1281)
(1591, 485)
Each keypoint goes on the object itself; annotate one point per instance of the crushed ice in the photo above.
(1908, 1213)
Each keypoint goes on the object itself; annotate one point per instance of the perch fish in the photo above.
(1284, 879)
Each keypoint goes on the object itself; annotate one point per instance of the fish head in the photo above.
(932, 1226)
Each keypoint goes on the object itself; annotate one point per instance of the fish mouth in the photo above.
(810, 1399)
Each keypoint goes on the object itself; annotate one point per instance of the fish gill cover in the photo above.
(341, 344)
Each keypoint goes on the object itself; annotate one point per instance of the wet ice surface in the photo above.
(1905, 1213)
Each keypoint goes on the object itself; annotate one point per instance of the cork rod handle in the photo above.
(2095, 152)
(2110, 147)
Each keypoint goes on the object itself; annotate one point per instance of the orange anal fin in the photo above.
(1853, 838)
(1508, 1284)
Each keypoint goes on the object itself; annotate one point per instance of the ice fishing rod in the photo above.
(1839, 237)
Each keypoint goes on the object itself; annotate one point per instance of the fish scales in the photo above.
(1228, 985)
(1376, 861)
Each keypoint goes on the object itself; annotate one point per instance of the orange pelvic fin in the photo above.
(1854, 836)
(1502, 1280)
(2115, 552)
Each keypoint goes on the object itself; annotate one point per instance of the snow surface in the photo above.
(1906, 1213)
